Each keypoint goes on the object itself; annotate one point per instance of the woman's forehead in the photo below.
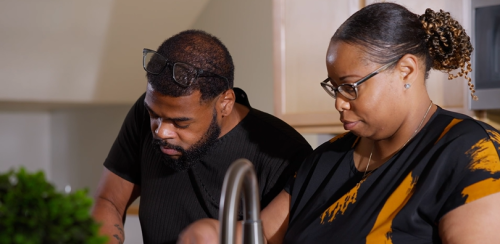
(345, 59)
(345, 52)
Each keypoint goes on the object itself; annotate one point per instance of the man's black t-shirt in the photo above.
(452, 161)
(172, 200)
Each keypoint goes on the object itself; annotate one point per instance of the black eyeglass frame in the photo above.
(332, 91)
(199, 72)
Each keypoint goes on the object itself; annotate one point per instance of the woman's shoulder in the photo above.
(468, 139)
(452, 125)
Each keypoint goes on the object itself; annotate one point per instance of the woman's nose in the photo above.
(342, 103)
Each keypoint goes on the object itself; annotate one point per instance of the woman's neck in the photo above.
(382, 150)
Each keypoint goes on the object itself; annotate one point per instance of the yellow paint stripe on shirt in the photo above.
(484, 156)
(494, 136)
(340, 206)
(382, 229)
(448, 127)
(338, 137)
(481, 189)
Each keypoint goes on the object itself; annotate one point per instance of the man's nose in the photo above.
(164, 130)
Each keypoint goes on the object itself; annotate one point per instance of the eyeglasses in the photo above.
(182, 73)
(350, 91)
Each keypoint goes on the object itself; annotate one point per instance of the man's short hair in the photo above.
(201, 50)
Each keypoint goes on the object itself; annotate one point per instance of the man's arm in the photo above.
(274, 223)
(474, 222)
(114, 195)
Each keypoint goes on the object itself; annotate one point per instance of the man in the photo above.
(181, 136)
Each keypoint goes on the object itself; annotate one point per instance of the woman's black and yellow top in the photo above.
(452, 161)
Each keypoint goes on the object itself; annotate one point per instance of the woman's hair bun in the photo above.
(448, 44)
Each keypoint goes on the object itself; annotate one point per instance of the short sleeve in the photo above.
(286, 171)
(479, 175)
(124, 157)
(304, 168)
(289, 184)
(290, 151)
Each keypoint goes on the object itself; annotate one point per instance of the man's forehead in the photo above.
(188, 105)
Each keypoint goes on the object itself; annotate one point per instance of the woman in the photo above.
(408, 171)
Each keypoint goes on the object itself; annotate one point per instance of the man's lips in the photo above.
(169, 151)
(349, 125)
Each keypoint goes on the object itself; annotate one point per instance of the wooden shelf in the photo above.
(133, 209)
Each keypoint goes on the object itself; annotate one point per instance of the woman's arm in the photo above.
(275, 218)
(474, 222)
(274, 223)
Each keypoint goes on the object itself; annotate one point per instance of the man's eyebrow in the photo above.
(149, 109)
(179, 119)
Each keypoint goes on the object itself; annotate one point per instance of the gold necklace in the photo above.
(411, 137)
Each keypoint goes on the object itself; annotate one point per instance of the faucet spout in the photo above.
(240, 177)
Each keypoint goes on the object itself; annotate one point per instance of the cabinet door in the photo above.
(302, 32)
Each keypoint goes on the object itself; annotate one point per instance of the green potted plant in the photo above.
(33, 212)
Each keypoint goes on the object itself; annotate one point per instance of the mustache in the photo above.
(163, 143)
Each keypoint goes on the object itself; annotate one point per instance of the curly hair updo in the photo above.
(388, 31)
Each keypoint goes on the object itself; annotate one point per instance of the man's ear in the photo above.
(408, 67)
(226, 102)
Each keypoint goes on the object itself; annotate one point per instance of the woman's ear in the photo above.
(407, 68)
(226, 102)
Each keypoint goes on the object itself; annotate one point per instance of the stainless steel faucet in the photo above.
(240, 177)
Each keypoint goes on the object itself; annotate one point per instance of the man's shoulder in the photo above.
(272, 128)
(264, 127)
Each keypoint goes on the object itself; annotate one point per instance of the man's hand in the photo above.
(201, 231)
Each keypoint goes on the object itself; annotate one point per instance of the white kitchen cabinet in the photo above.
(302, 32)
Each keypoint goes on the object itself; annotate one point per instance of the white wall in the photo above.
(69, 145)
(132, 229)
(25, 140)
(84, 51)
(81, 139)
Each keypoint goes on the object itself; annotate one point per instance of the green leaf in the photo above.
(33, 212)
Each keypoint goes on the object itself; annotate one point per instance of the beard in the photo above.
(192, 155)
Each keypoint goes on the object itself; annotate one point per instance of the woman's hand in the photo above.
(201, 231)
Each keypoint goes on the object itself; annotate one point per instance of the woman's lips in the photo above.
(170, 151)
(349, 125)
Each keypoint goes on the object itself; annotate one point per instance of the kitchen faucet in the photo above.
(240, 177)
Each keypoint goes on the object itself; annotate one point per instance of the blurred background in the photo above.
(70, 70)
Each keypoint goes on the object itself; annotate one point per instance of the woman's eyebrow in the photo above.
(349, 76)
